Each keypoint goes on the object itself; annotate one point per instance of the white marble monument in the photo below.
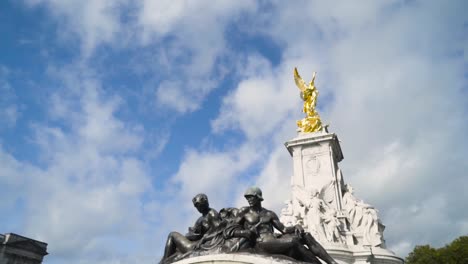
(321, 202)
(349, 229)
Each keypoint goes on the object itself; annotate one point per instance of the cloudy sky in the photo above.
(115, 113)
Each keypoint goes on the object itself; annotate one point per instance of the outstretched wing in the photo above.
(299, 81)
(312, 83)
(328, 192)
(300, 194)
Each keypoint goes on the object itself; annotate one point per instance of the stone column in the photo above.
(315, 161)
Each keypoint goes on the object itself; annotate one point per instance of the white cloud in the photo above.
(164, 17)
(275, 180)
(100, 127)
(260, 102)
(9, 115)
(94, 22)
(213, 172)
(183, 97)
(196, 29)
(9, 112)
(189, 36)
(13, 178)
(89, 184)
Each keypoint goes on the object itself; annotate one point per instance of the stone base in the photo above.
(363, 255)
(238, 258)
(340, 254)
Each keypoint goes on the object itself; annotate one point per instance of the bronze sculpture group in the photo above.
(248, 229)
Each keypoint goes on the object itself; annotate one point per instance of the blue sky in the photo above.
(113, 114)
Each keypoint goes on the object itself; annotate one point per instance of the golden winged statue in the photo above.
(311, 123)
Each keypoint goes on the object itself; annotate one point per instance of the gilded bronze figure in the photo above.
(309, 94)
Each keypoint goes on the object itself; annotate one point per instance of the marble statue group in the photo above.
(247, 229)
(318, 215)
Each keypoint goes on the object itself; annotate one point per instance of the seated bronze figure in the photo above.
(249, 229)
(177, 244)
(293, 240)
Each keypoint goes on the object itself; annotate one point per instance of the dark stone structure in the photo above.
(16, 249)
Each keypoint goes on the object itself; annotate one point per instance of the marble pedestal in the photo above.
(361, 255)
(341, 256)
(348, 228)
(238, 258)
